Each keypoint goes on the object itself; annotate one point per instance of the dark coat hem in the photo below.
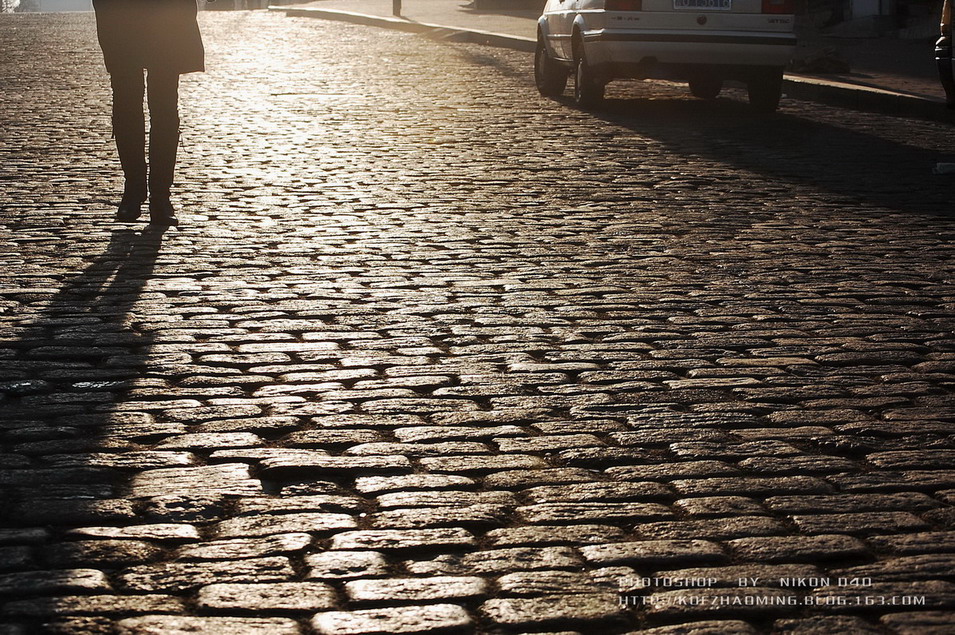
(150, 34)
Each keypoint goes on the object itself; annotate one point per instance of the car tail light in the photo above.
(779, 6)
(623, 5)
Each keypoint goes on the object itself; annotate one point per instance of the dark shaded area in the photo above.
(63, 373)
(862, 168)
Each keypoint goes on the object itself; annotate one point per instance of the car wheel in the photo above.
(946, 69)
(706, 87)
(550, 77)
(765, 89)
(588, 92)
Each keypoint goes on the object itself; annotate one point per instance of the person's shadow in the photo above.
(64, 376)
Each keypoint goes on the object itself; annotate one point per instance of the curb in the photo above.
(435, 31)
(823, 91)
(866, 98)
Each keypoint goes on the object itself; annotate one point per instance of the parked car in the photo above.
(702, 42)
(943, 55)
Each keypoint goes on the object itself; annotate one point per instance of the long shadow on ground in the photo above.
(64, 372)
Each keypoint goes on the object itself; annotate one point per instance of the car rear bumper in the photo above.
(739, 48)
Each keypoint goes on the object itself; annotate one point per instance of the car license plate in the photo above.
(709, 5)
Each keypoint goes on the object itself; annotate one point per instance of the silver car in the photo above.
(702, 42)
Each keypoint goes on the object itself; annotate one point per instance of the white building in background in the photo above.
(64, 5)
(87, 5)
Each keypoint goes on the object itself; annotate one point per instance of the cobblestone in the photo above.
(470, 516)
(158, 625)
(719, 506)
(908, 501)
(65, 511)
(171, 532)
(547, 583)
(345, 565)
(385, 484)
(586, 492)
(181, 576)
(523, 479)
(522, 559)
(308, 522)
(753, 486)
(656, 553)
(482, 464)
(587, 512)
(295, 464)
(419, 619)
(580, 610)
(446, 498)
(819, 625)
(244, 548)
(712, 529)
(924, 542)
(416, 589)
(303, 502)
(554, 535)
(184, 509)
(798, 548)
(705, 627)
(670, 472)
(431, 353)
(397, 539)
(277, 596)
(860, 524)
(55, 581)
(919, 622)
(108, 553)
(114, 605)
(228, 479)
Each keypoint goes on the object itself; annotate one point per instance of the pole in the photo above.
(396, 8)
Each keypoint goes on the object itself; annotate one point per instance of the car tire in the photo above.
(706, 87)
(588, 92)
(550, 76)
(946, 69)
(765, 89)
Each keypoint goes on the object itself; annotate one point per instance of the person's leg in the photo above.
(129, 129)
(163, 99)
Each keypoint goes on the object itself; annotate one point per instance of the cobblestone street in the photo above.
(430, 353)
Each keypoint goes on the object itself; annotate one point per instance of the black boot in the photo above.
(130, 132)
(163, 143)
(131, 206)
(161, 211)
